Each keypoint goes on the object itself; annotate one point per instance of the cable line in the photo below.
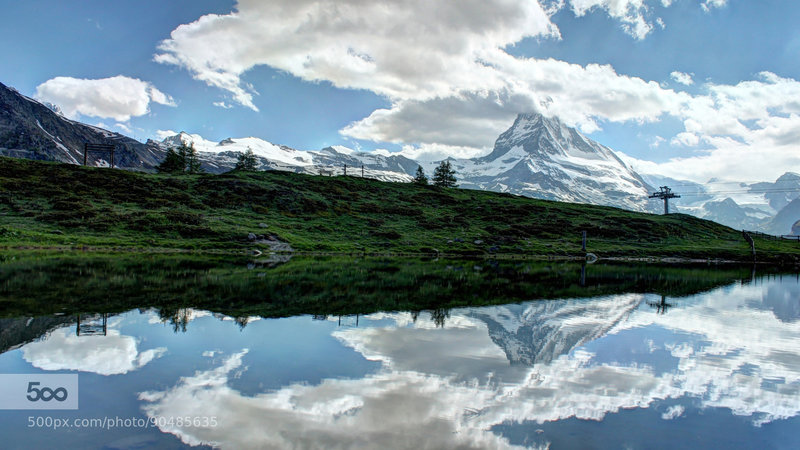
(766, 191)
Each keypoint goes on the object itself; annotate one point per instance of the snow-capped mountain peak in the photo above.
(339, 149)
(540, 135)
(178, 140)
(544, 158)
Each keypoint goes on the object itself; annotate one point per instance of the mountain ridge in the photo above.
(537, 157)
(31, 130)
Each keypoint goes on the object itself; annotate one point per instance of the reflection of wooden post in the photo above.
(583, 274)
(92, 328)
(583, 241)
(752, 243)
(347, 320)
(662, 306)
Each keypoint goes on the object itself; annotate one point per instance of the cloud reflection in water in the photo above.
(445, 388)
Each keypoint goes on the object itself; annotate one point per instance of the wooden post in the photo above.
(583, 241)
(87, 147)
(362, 171)
(751, 242)
(345, 169)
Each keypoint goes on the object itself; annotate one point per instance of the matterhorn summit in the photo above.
(544, 158)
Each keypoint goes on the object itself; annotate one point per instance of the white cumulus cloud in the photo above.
(673, 412)
(635, 16)
(708, 4)
(682, 78)
(631, 13)
(112, 354)
(438, 152)
(576, 94)
(163, 134)
(123, 127)
(728, 159)
(685, 139)
(118, 98)
(416, 49)
(223, 105)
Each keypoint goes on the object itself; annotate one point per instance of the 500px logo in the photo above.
(38, 391)
(46, 394)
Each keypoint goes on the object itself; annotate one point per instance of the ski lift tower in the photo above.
(665, 193)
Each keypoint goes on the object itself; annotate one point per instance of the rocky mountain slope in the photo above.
(784, 221)
(29, 129)
(543, 158)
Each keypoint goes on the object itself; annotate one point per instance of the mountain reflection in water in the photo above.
(559, 372)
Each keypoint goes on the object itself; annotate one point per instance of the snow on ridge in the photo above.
(343, 150)
(536, 151)
(330, 159)
(102, 131)
(259, 147)
(57, 142)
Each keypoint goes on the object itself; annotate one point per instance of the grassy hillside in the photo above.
(48, 205)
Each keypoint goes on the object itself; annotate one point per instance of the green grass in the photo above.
(36, 283)
(48, 205)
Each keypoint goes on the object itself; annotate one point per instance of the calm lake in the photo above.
(379, 353)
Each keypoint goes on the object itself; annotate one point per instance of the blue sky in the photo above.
(689, 88)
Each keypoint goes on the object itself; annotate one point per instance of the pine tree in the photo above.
(444, 175)
(192, 162)
(246, 161)
(182, 159)
(172, 163)
(420, 178)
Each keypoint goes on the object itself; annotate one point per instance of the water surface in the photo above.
(645, 358)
